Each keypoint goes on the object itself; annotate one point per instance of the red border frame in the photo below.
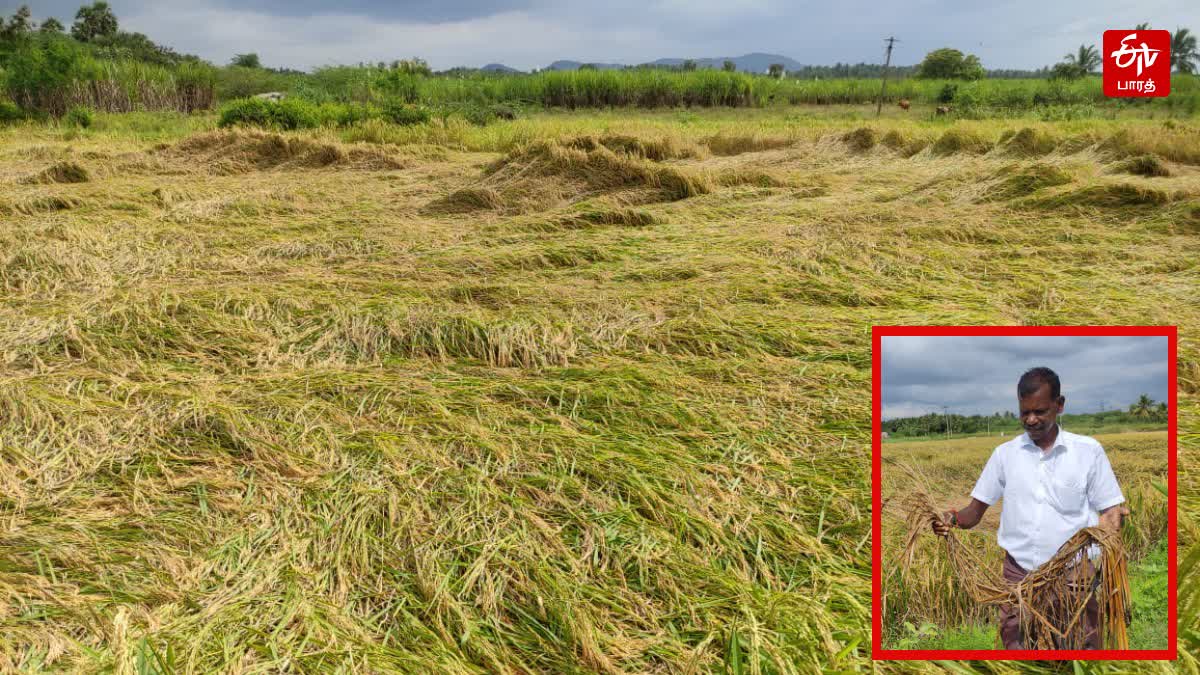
(877, 650)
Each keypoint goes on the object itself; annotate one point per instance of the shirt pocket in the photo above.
(1069, 496)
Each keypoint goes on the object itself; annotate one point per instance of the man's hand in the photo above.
(1112, 518)
(942, 524)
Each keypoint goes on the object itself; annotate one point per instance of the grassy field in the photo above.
(950, 468)
(1000, 437)
(577, 393)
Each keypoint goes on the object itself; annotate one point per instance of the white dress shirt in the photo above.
(1048, 495)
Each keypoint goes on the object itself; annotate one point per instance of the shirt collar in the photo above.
(1060, 441)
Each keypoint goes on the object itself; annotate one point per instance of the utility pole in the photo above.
(946, 415)
(883, 87)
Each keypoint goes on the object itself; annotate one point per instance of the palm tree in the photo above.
(1184, 51)
(1143, 408)
(1086, 59)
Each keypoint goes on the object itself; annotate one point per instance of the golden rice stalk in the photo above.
(1052, 598)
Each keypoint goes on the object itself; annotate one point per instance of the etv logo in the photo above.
(1137, 63)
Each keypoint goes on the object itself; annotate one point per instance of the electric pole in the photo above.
(946, 415)
(883, 87)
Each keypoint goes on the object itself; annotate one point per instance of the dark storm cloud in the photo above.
(532, 33)
(978, 375)
(424, 11)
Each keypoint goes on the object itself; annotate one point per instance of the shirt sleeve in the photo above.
(1102, 489)
(990, 486)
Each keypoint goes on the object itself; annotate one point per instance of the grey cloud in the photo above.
(978, 375)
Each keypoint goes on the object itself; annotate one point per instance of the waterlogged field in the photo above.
(578, 393)
(928, 594)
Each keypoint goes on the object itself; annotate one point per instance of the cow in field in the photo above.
(943, 110)
(904, 104)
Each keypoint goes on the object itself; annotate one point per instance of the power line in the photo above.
(883, 87)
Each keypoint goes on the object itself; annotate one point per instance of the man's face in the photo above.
(1039, 411)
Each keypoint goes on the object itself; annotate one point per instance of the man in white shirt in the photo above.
(1054, 483)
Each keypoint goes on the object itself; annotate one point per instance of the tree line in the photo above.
(1144, 410)
(50, 68)
(95, 26)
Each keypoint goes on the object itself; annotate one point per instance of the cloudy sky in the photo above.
(531, 33)
(978, 375)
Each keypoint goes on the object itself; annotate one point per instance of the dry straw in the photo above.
(1052, 598)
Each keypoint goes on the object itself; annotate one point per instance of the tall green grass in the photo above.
(651, 88)
(53, 75)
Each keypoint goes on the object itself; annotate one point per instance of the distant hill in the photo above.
(574, 65)
(759, 62)
(747, 63)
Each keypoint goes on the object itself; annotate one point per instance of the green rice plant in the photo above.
(861, 139)
(1027, 142)
(1149, 166)
(961, 140)
(1021, 182)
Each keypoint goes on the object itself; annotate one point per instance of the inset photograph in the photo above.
(1024, 483)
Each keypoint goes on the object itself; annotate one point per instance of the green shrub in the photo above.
(296, 114)
(248, 111)
(233, 82)
(78, 116)
(967, 98)
(484, 114)
(948, 92)
(288, 114)
(398, 112)
(396, 84)
(10, 113)
(38, 73)
(346, 114)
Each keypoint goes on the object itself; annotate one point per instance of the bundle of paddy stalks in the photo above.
(1053, 597)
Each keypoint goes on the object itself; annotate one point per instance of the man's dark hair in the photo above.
(1034, 378)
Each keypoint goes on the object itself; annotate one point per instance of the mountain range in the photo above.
(749, 63)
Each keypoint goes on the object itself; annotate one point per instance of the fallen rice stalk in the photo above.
(1051, 606)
